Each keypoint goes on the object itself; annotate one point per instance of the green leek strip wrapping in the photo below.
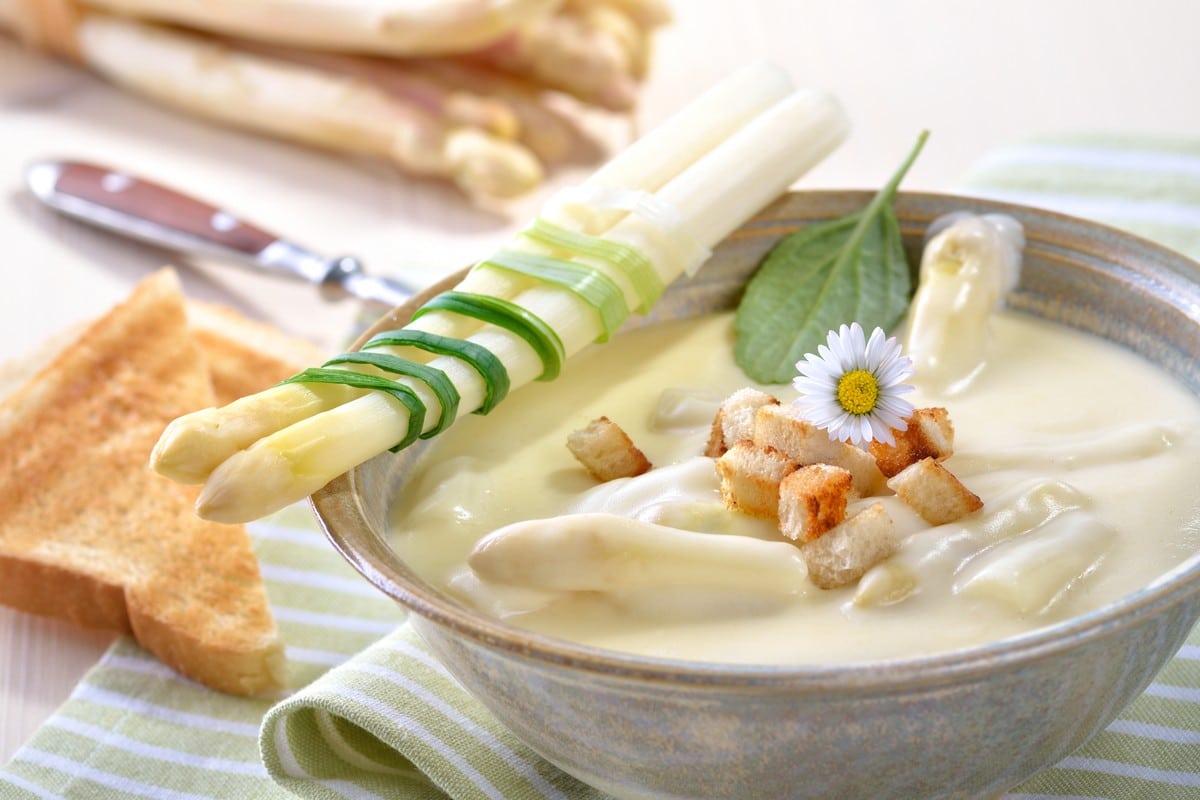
(407, 397)
(482, 360)
(647, 283)
(510, 316)
(588, 283)
(437, 381)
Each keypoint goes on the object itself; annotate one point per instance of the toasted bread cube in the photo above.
(606, 451)
(844, 554)
(930, 434)
(750, 478)
(934, 492)
(868, 480)
(783, 428)
(812, 500)
(734, 421)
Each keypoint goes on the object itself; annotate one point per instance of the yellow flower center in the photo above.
(857, 392)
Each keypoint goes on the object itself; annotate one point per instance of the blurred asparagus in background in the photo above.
(463, 90)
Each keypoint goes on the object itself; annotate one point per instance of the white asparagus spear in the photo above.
(577, 53)
(646, 13)
(400, 79)
(194, 445)
(612, 22)
(714, 195)
(386, 27)
(550, 134)
(966, 271)
(269, 96)
(43, 25)
(615, 554)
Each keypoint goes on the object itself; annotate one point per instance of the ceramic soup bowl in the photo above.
(969, 723)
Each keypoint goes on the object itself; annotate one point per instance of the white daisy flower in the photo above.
(852, 387)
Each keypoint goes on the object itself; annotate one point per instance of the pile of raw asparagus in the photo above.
(465, 90)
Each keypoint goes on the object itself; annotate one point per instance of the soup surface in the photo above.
(1087, 459)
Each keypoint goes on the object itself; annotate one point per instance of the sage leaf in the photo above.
(848, 269)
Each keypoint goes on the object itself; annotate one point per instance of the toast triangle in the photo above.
(90, 534)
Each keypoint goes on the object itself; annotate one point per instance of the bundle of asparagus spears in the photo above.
(595, 255)
(458, 89)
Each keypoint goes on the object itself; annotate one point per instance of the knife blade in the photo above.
(170, 218)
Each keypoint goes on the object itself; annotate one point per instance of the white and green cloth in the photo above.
(373, 715)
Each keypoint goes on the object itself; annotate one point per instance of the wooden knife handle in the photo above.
(145, 210)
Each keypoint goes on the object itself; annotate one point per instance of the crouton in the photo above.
(934, 492)
(734, 421)
(844, 554)
(867, 480)
(783, 428)
(812, 500)
(930, 434)
(606, 451)
(750, 478)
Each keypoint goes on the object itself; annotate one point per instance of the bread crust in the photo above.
(89, 601)
(929, 434)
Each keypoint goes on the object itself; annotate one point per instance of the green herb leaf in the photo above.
(849, 269)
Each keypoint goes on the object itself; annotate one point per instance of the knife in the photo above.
(169, 218)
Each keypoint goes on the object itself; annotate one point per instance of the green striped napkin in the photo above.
(373, 715)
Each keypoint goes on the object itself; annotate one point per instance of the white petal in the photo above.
(837, 354)
(895, 410)
(892, 372)
(826, 411)
(814, 387)
(828, 357)
(882, 432)
(864, 428)
(824, 416)
(890, 421)
(819, 369)
(857, 344)
(875, 352)
(840, 429)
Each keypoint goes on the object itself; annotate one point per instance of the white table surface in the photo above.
(978, 75)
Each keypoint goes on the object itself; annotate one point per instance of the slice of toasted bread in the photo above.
(89, 533)
(245, 356)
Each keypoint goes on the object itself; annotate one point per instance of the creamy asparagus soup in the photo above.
(1084, 455)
